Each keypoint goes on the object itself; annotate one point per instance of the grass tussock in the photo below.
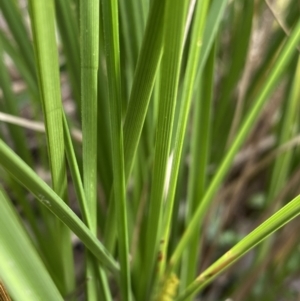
(149, 150)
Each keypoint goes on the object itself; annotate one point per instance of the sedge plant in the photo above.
(149, 150)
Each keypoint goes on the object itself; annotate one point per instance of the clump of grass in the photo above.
(186, 159)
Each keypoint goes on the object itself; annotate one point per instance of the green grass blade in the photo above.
(188, 85)
(89, 34)
(174, 28)
(289, 117)
(212, 24)
(148, 61)
(227, 120)
(21, 268)
(275, 222)
(131, 20)
(131, 29)
(199, 164)
(75, 173)
(69, 32)
(104, 159)
(29, 179)
(111, 35)
(275, 73)
(47, 60)
(89, 30)
(242, 41)
(16, 25)
(48, 75)
(144, 78)
(282, 164)
(29, 214)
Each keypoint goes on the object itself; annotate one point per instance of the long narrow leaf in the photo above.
(21, 269)
(275, 74)
(29, 179)
(275, 222)
(174, 27)
(194, 55)
(49, 84)
(111, 34)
